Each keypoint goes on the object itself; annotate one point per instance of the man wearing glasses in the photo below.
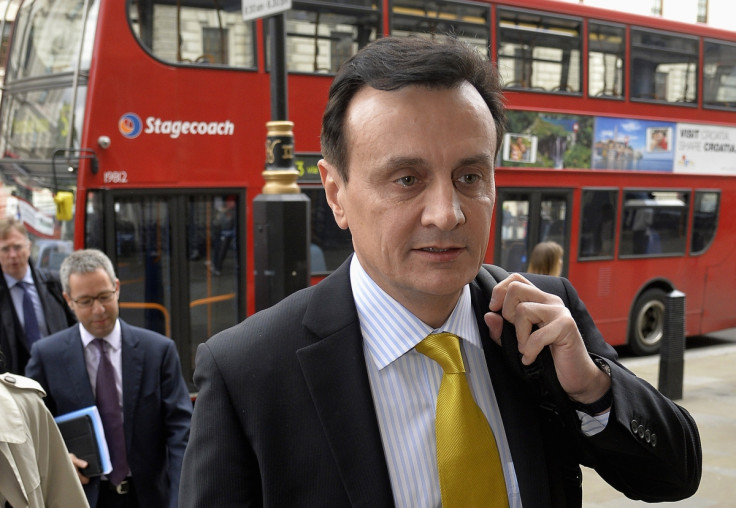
(134, 378)
(31, 301)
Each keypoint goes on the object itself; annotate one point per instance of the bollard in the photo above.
(281, 222)
(672, 350)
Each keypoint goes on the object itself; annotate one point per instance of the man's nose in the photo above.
(97, 306)
(443, 207)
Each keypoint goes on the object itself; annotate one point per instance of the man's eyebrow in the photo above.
(401, 161)
(477, 160)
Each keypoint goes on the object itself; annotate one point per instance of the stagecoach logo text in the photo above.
(131, 126)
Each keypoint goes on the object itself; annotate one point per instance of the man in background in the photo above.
(134, 378)
(31, 302)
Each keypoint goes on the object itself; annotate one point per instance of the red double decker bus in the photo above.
(149, 116)
(621, 148)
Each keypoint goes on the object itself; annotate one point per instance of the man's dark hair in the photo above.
(392, 63)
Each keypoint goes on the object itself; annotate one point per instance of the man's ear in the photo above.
(334, 188)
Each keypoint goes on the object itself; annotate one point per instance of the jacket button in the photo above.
(641, 431)
(634, 426)
(654, 440)
(647, 436)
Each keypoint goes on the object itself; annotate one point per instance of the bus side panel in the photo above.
(170, 125)
(719, 312)
(607, 297)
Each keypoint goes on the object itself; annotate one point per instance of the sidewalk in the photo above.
(709, 394)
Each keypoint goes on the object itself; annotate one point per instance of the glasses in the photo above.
(87, 301)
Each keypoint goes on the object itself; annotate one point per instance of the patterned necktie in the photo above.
(30, 325)
(467, 457)
(112, 417)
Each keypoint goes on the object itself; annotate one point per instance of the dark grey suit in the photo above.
(156, 404)
(12, 337)
(284, 415)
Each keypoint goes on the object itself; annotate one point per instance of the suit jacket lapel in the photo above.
(520, 418)
(52, 301)
(335, 371)
(132, 360)
(72, 357)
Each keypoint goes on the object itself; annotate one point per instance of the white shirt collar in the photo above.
(390, 330)
(11, 281)
(114, 339)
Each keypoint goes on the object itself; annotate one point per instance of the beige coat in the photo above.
(35, 469)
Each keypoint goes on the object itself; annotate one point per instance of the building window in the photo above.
(656, 7)
(215, 45)
(702, 11)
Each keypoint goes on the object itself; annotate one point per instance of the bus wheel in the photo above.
(646, 326)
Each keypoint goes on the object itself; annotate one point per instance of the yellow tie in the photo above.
(467, 457)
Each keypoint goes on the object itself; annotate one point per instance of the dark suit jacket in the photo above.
(284, 415)
(156, 404)
(12, 337)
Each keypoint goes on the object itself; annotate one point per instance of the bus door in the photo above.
(527, 217)
(180, 259)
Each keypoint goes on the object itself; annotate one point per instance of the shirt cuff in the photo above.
(592, 425)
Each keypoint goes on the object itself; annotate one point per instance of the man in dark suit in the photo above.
(149, 408)
(20, 280)
(327, 399)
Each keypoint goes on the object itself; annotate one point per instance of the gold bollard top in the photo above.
(280, 174)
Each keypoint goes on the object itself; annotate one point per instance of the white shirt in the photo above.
(113, 347)
(405, 384)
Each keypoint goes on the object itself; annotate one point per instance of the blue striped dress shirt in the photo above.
(405, 384)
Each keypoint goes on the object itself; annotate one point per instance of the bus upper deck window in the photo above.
(201, 32)
(321, 36)
(663, 67)
(539, 52)
(719, 75)
(606, 48)
(469, 21)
